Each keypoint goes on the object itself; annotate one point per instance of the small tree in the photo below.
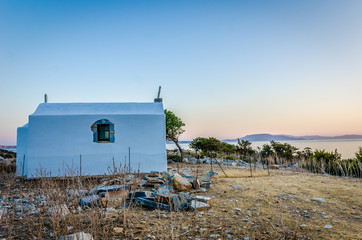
(227, 148)
(196, 145)
(174, 129)
(208, 146)
(245, 150)
(266, 153)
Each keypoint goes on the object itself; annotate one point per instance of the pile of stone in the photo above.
(166, 191)
(7, 161)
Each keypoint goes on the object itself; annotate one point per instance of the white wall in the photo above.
(55, 144)
(21, 150)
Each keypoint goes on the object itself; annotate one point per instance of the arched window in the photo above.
(103, 131)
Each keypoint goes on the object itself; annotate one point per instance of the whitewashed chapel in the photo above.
(63, 139)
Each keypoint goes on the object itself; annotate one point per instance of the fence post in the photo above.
(129, 160)
(22, 171)
(80, 165)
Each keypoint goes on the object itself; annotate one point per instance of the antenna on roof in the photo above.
(158, 99)
(45, 98)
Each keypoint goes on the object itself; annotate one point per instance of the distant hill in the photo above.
(266, 137)
(7, 147)
(270, 137)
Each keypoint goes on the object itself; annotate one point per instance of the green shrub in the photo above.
(174, 157)
(230, 157)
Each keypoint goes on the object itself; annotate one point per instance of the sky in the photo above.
(227, 68)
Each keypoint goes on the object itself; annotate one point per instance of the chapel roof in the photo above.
(150, 108)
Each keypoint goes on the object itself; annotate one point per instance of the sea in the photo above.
(347, 148)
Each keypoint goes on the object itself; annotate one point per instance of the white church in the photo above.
(70, 139)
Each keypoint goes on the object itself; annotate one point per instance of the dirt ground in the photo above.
(275, 206)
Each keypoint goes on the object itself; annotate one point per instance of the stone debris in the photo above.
(209, 176)
(78, 236)
(89, 201)
(172, 194)
(204, 199)
(118, 229)
(180, 183)
(319, 200)
(198, 206)
(59, 211)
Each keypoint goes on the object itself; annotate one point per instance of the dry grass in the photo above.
(262, 207)
(240, 173)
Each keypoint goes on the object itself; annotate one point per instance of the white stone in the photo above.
(78, 236)
(319, 200)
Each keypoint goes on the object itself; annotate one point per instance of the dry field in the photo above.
(275, 206)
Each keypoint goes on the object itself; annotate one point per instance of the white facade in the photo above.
(61, 139)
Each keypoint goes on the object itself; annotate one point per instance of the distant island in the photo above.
(7, 147)
(282, 137)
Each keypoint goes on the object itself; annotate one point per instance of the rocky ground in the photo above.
(7, 161)
(287, 204)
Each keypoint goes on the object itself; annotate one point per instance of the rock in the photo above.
(181, 183)
(118, 229)
(155, 180)
(78, 236)
(327, 226)
(151, 204)
(164, 190)
(319, 200)
(196, 184)
(59, 211)
(204, 199)
(206, 185)
(195, 205)
(214, 235)
(141, 194)
(107, 189)
(209, 176)
(154, 174)
(92, 200)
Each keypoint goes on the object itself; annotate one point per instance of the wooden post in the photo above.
(22, 171)
(80, 165)
(129, 160)
(221, 168)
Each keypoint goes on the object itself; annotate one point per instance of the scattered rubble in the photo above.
(166, 191)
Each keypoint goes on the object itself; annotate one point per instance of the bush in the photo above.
(230, 157)
(174, 157)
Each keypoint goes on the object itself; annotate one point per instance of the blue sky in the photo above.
(227, 68)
